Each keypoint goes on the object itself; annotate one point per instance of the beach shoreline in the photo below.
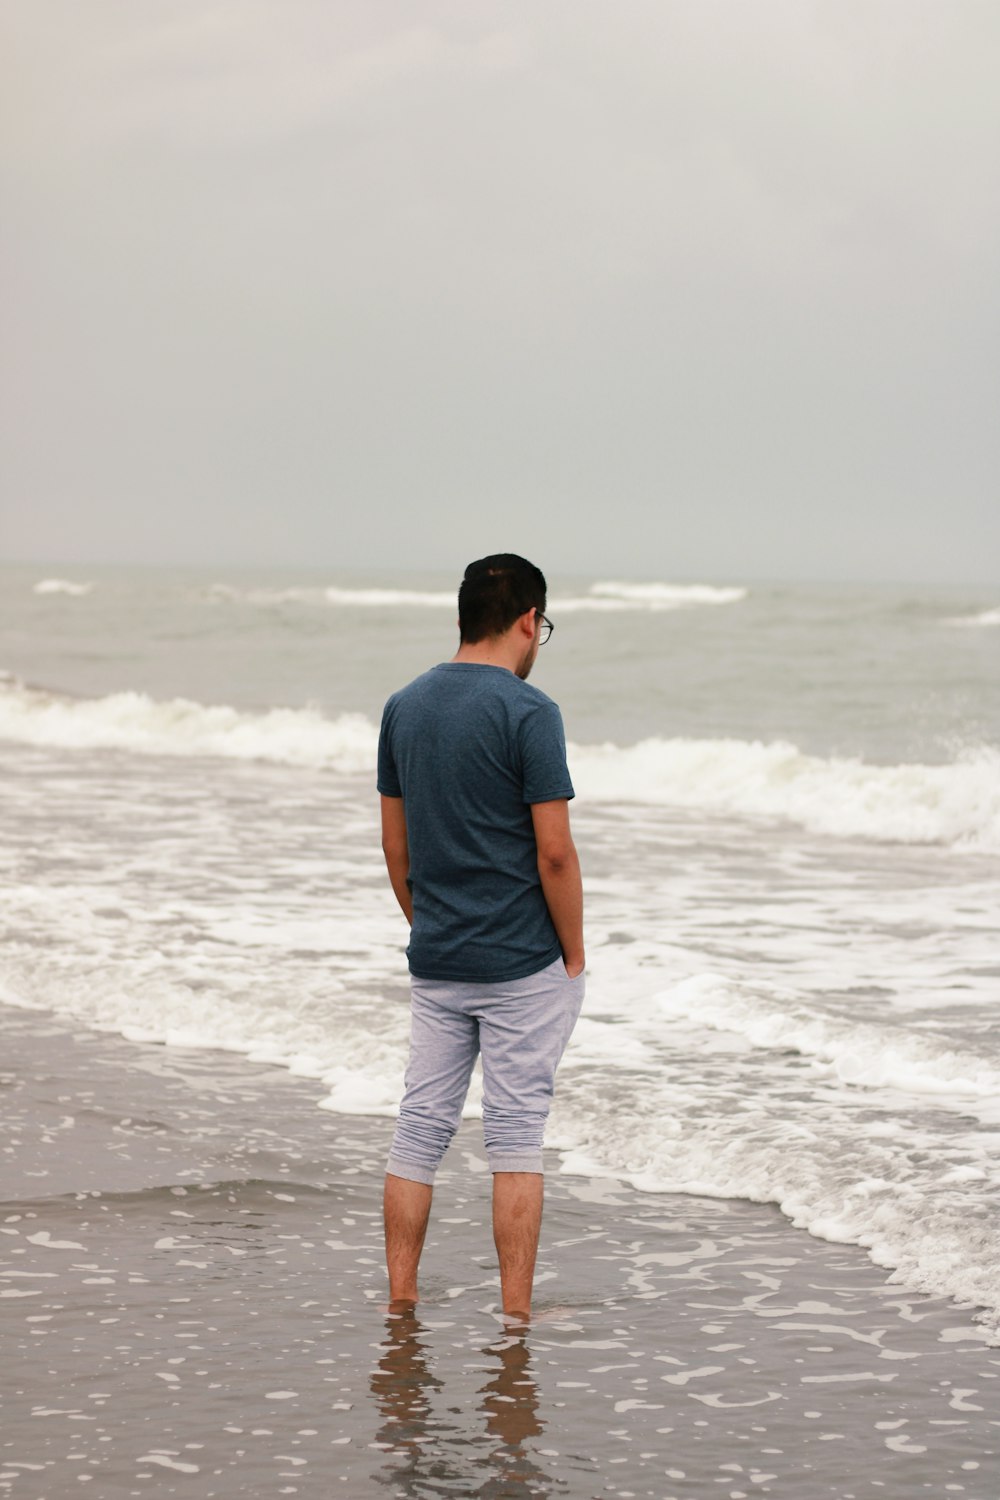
(194, 1290)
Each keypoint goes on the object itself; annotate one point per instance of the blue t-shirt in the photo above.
(469, 747)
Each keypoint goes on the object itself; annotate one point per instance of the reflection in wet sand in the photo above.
(510, 1405)
(427, 1455)
(402, 1384)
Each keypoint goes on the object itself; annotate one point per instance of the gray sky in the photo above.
(674, 290)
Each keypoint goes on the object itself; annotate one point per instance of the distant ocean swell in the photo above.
(604, 596)
(983, 617)
(955, 804)
(61, 586)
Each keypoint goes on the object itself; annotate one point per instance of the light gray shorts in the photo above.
(521, 1027)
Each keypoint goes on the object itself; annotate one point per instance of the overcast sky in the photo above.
(678, 290)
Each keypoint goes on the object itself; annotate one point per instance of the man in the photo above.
(475, 830)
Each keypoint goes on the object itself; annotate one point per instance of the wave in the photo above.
(668, 595)
(866, 1053)
(605, 597)
(219, 593)
(179, 726)
(388, 598)
(61, 586)
(319, 597)
(956, 803)
(226, 593)
(984, 617)
(922, 1202)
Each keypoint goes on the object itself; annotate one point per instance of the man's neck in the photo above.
(495, 651)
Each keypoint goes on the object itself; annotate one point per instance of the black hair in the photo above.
(495, 592)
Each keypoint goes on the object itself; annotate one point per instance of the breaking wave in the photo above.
(668, 595)
(868, 1053)
(956, 803)
(388, 598)
(61, 586)
(603, 596)
(922, 1204)
(984, 617)
(180, 726)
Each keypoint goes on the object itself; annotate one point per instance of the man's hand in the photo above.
(559, 869)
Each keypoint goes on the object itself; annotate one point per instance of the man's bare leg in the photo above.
(407, 1207)
(517, 1219)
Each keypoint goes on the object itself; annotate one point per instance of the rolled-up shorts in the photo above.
(520, 1027)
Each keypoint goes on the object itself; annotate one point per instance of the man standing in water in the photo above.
(475, 830)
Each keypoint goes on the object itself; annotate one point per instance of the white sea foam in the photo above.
(61, 586)
(573, 604)
(611, 596)
(668, 595)
(664, 598)
(391, 598)
(957, 803)
(375, 598)
(180, 726)
(863, 1053)
(602, 597)
(929, 1232)
(319, 596)
(226, 593)
(844, 1147)
(984, 617)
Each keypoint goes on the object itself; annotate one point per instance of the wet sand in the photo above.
(192, 1302)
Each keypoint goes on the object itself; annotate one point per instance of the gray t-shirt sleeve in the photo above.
(543, 755)
(388, 778)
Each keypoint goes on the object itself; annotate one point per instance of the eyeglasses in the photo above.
(546, 630)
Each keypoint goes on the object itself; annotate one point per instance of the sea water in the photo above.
(788, 814)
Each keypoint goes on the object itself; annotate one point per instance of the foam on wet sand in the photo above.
(192, 1297)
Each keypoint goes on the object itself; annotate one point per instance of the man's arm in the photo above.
(397, 852)
(562, 886)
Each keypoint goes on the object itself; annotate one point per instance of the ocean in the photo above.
(788, 815)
